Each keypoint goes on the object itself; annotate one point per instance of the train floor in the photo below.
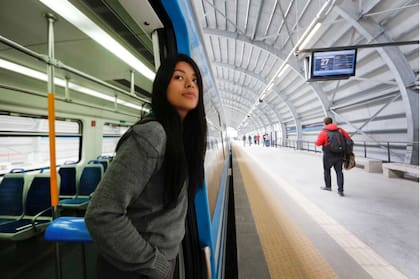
(287, 227)
(35, 258)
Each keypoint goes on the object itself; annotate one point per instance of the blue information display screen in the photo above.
(330, 64)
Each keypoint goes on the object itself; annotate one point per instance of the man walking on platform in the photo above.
(332, 138)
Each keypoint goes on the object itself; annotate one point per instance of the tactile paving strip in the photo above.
(289, 254)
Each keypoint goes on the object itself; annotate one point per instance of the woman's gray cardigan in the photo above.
(126, 216)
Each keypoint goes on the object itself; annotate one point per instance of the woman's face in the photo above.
(182, 92)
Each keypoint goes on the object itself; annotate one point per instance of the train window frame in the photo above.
(32, 133)
(106, 135)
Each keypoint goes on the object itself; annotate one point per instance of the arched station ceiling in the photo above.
(255, 49)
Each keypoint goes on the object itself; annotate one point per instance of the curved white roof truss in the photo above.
(256, 45)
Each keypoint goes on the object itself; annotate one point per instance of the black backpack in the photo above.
(349, 146)
(336, 142)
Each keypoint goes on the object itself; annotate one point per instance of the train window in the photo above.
(24, 142)
(111, 135)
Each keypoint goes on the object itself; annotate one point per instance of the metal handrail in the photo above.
(46, 59)
(390, 146)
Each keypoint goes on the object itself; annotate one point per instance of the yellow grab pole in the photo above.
(51, 136)
(51, 116)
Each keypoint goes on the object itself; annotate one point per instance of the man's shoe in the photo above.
(341, 194)
(326, 188)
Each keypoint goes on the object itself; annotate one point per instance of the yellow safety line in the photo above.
(289, 254)
(374, 264)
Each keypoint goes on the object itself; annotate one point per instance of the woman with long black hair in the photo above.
(137, 214)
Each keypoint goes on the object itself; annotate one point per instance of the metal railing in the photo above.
(390, 151)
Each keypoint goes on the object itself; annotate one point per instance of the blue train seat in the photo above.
(71, 230)
(107, 157)
(68, 181)
(103, 161)
(89, 180)
(68, 229)
(37, 211)
(11, 197)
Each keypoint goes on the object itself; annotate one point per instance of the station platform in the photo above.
(287, 227)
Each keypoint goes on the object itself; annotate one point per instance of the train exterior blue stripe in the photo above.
(187, 36)
(179, 21)
(217, 226)
(219, 222)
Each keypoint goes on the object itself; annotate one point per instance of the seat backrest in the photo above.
(102, 161)
(107, 157)
(90, 178)
(38, 197)
(68, 179)
(11, 194)
(105, 163)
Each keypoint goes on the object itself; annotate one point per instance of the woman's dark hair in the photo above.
(186, 140)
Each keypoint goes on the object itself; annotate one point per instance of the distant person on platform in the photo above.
(266, 141)
(331, 156)
(244, 139)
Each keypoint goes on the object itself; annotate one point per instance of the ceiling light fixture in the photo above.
(282, 71)
(87, 26)
(309, 36)
(313, 27)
